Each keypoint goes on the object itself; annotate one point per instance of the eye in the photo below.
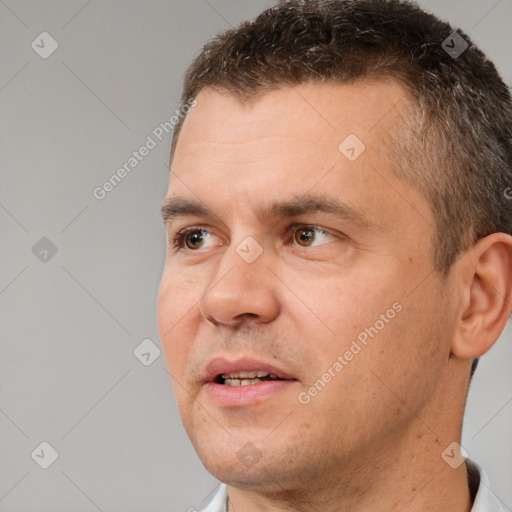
(191, 238)
(194, 238)
(307, 236)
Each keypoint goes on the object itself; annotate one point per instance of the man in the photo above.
(339, 256)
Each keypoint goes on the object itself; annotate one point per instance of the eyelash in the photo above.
(178, 240)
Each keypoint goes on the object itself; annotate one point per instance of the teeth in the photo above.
(241, 382)
(247, 375)
(230, 380)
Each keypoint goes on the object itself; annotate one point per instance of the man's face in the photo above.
(355, 287)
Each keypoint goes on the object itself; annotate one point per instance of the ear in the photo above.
(485, 274)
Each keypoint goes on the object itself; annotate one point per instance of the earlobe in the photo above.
(487, 280)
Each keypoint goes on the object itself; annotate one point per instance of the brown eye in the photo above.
(310, 236)
(304, 235)
(194, 239)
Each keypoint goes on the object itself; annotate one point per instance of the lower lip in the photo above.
(236, 396)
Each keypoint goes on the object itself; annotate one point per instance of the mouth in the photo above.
(242, 372)
(246, 378)
(244, 382)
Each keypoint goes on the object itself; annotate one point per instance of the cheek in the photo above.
(356, 304)
(405, 360)
(177, 301)
(365, 320)
(177, 296)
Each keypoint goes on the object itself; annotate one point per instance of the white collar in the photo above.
(485, 499)
(219, 502)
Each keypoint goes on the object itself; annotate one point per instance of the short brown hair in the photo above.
(456, 146)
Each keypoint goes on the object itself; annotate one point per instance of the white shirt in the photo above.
(485, 499)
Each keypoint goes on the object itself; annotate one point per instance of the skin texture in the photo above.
(372, 439)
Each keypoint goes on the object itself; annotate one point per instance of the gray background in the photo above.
(69, 325)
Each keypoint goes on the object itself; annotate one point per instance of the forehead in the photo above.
(292, 141)
(318, 113)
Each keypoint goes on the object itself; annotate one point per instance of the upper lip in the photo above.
(220, 365)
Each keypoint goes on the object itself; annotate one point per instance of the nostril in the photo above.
(212, 320)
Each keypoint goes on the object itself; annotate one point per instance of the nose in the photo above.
(240, 291)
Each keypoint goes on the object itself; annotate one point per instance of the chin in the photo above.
(246, 467)
(257, 478)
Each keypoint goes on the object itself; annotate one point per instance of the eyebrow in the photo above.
(177, 206)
